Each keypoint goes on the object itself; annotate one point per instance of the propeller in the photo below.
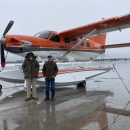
(2, 56)
(2, 41)
(8, 28)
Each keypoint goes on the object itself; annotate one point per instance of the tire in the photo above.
(81, 85)
(84, 83)
(0, 87)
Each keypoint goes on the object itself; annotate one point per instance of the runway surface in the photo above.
(103, 105)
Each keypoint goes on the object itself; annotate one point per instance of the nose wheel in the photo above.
(0, 87)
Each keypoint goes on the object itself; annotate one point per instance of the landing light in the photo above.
(26, 43)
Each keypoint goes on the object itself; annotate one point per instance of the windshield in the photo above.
(43, 34)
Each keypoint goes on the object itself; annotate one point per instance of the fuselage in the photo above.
(50, 43)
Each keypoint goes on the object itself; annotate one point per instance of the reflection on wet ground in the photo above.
(0, 93)
(104, 106)
(62, 114)
(72, 110)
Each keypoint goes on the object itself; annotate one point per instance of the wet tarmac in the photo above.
(103, 105)
(72, 109)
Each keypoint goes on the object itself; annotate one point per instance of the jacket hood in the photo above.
(27, 56)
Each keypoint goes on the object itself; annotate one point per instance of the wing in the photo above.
(102, 26)
(117, 45)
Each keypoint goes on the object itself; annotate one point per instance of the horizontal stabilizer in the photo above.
(117, 45)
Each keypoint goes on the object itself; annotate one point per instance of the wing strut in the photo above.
(83, 39)
(71, 60)
(41, 59)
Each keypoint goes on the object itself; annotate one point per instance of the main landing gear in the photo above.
(82, 84)
(0, 87)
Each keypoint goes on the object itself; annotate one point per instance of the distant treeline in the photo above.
(106, 59)
(113, 59)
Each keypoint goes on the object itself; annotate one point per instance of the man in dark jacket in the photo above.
(50, 71)
(30, 68)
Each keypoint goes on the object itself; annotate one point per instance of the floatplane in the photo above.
(83, 43)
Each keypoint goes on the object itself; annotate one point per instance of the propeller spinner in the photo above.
(2, 41)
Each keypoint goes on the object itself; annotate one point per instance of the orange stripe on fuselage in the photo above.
(73, 70)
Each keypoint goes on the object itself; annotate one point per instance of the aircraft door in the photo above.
(54, 45)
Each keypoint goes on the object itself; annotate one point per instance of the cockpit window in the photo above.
(55, 38)
(43, 34)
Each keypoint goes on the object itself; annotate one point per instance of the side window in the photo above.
(88, 44)
(75, 41)
(67, 40)
(55, 38)
(82, 44)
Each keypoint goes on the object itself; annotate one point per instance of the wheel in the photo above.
(0, 86)
(83, 83)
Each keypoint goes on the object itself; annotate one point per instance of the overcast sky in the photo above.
(32, 16)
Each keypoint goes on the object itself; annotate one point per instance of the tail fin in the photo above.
(101, 39)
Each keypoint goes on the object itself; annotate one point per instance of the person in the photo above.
(30, 68)
(50, 71)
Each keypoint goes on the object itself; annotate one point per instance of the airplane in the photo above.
(83, 43)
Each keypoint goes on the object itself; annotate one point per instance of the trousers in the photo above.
(32, 82)
(48, 82)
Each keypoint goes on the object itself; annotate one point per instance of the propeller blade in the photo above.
(2, 41)
(2, 56)
(8, 28)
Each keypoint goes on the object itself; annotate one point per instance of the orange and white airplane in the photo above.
(83, 43)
